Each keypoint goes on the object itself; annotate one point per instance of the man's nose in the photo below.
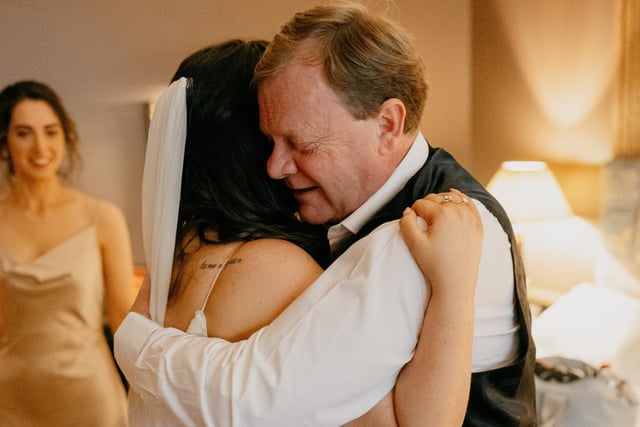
(281, 164)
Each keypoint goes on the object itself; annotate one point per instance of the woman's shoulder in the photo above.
(258, 282)
(278, 260)
(102, 210)
(97, 206)
(107, 217)
(274, 250)
(273, 244)
(263, 252)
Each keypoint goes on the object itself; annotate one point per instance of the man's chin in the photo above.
(310, 215)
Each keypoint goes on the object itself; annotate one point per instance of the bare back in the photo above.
(258, 280)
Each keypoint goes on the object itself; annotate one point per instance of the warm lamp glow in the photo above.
(567, 52)
(528, 191)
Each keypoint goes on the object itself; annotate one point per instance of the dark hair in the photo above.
(29, 89)
(225, 186)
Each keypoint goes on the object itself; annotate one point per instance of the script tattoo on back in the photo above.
(212, 265)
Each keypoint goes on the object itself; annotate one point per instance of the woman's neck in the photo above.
(36, 197)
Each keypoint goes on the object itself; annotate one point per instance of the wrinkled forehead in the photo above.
(298, 96)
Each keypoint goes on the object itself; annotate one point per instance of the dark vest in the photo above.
(500, 397)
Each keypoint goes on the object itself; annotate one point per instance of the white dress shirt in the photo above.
(333, 353)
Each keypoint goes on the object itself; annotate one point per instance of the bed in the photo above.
(598, 321)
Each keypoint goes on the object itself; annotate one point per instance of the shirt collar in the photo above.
(410, 164)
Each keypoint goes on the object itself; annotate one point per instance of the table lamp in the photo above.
(528, 191)
(541, 218)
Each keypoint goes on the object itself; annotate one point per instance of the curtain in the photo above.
(627, 142)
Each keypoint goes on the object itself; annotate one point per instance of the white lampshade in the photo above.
(528, 191)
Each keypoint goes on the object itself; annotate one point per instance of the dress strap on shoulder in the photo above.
(217, 275)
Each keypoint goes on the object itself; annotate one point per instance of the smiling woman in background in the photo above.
(63, 255)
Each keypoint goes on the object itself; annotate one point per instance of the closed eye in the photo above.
(306, 148)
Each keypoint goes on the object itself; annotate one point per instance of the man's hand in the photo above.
(141, 304)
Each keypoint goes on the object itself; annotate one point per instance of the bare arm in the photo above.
(433, 388)
(440, 371)
(117, 262)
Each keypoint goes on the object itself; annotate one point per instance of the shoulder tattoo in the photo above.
(211, 265)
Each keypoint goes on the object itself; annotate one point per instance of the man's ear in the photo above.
(391, 121)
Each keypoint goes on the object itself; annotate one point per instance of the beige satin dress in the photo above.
(55, 365)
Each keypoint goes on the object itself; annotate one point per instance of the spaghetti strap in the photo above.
(215, 277)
